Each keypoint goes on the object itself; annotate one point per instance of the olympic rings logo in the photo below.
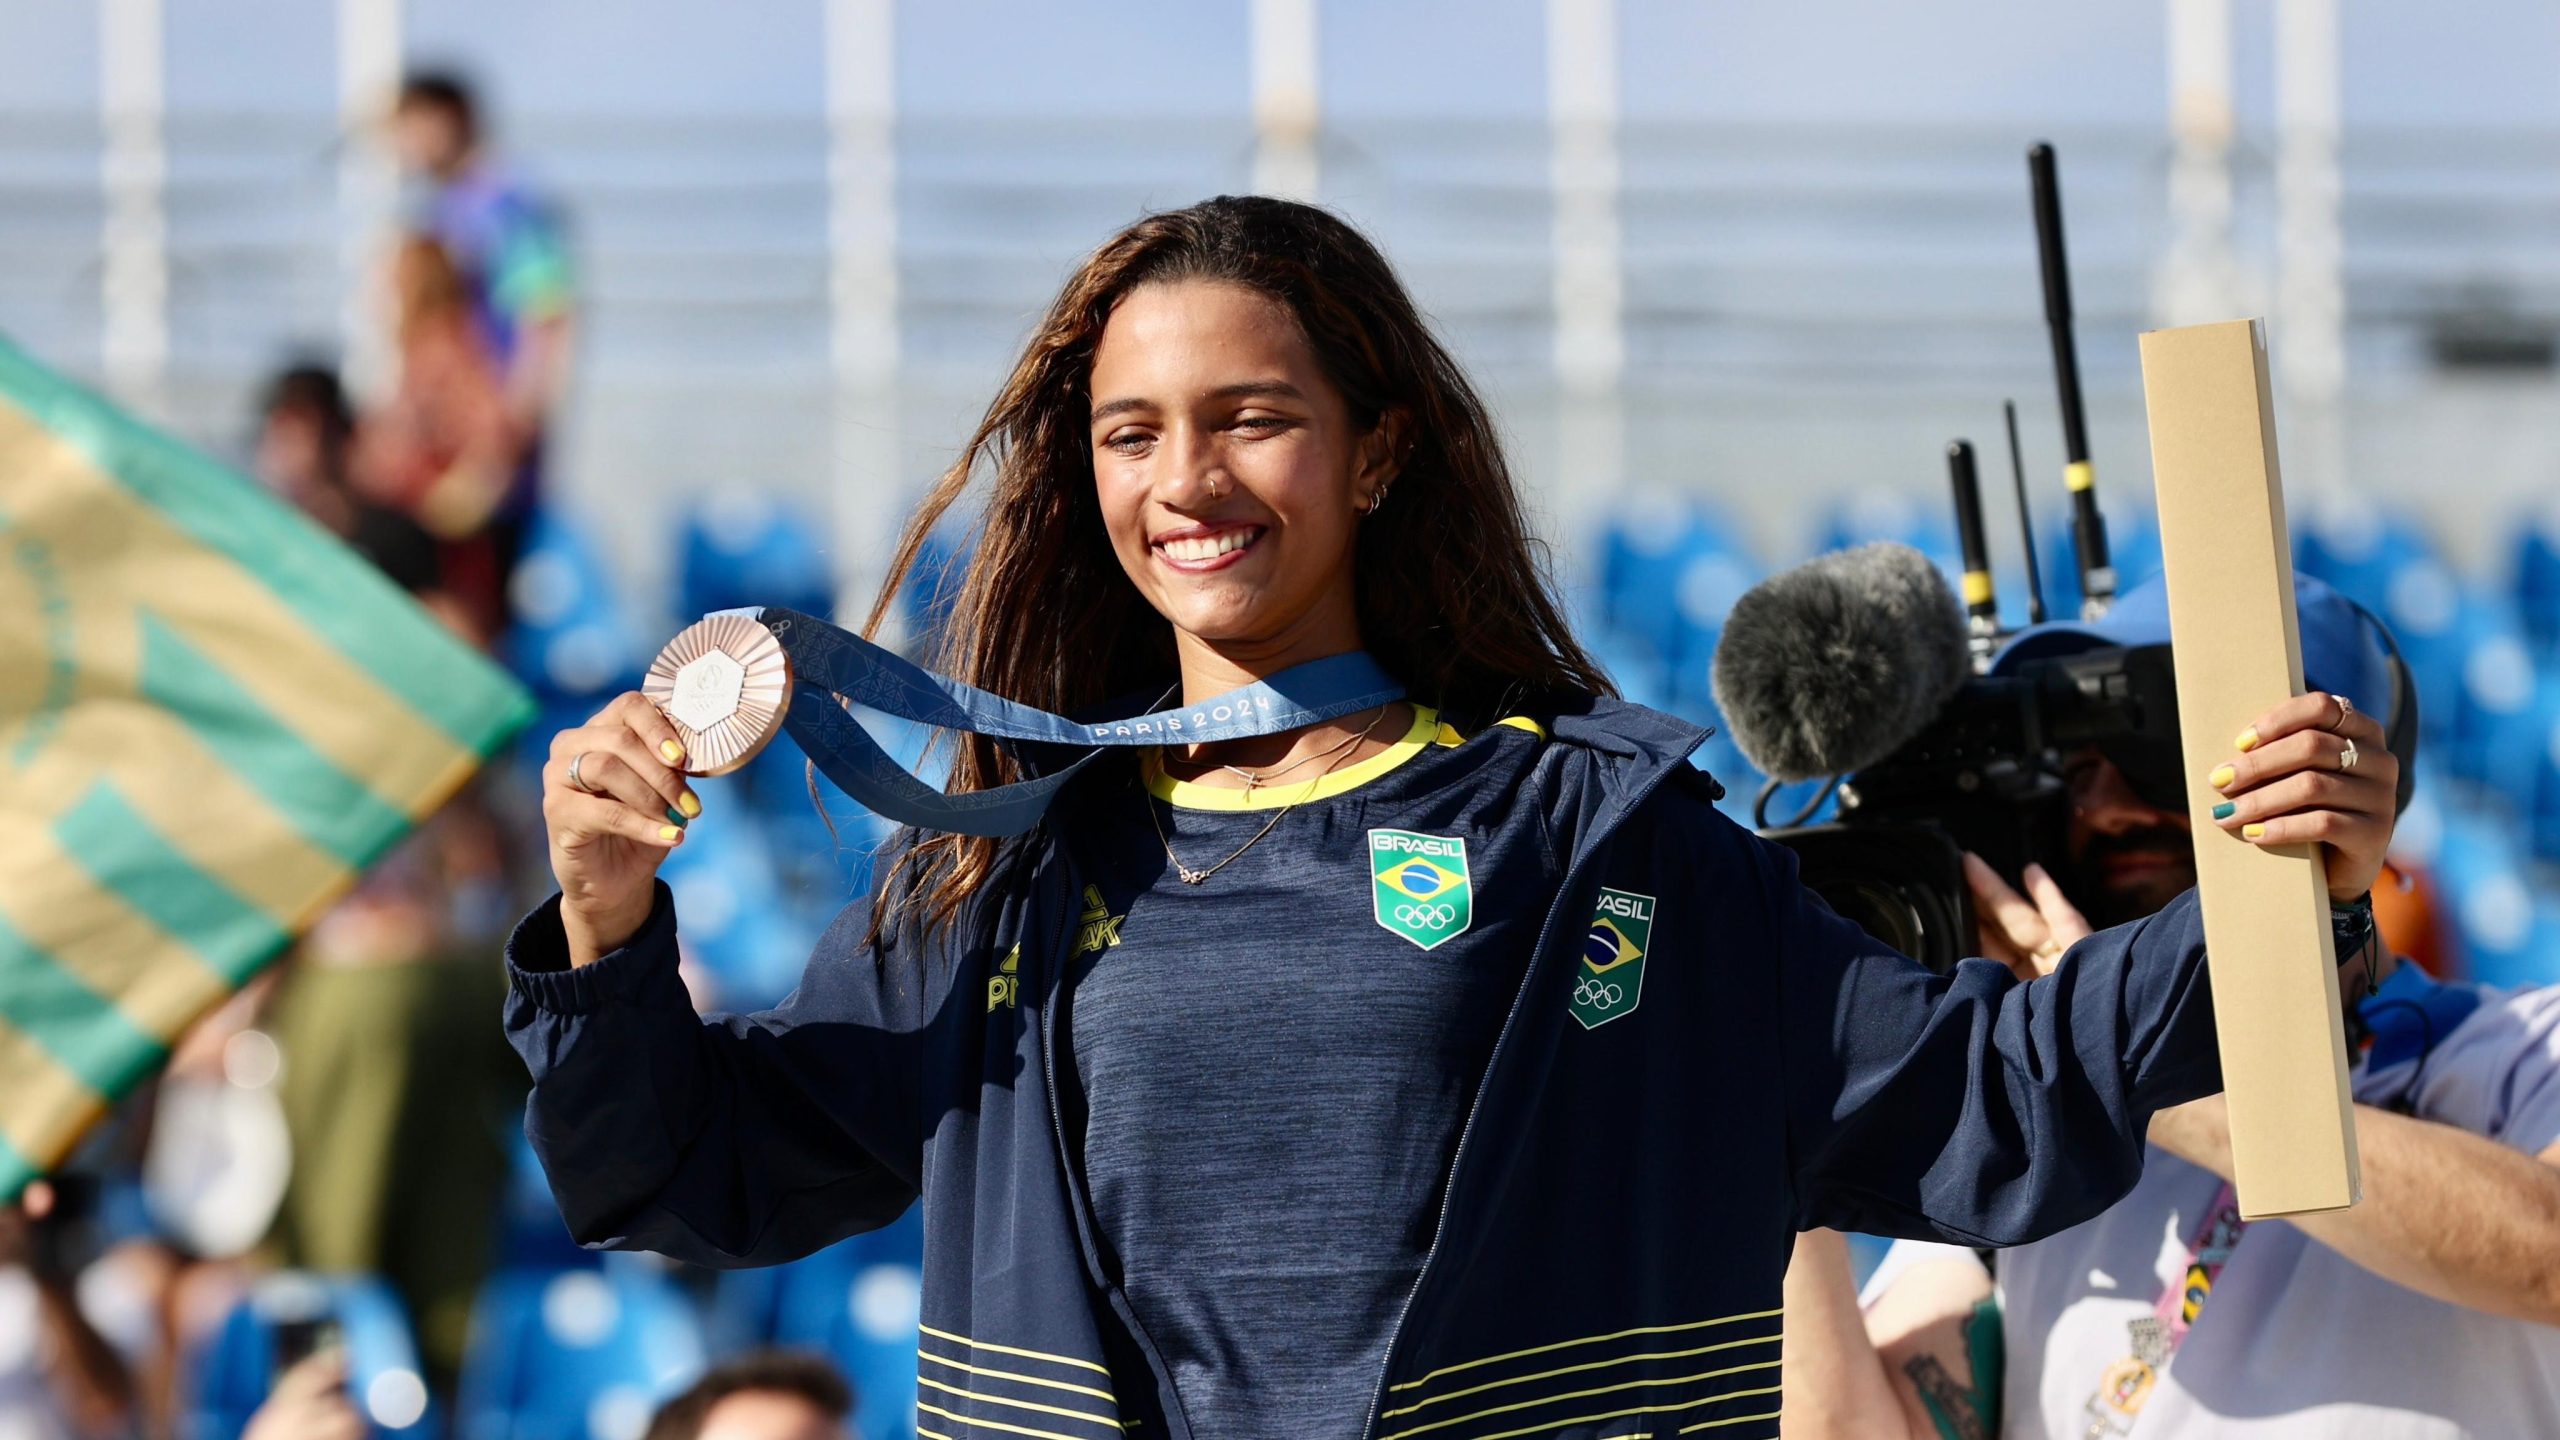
(1597, 992)
(1439, 915)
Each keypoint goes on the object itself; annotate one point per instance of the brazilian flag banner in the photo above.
(213, 715)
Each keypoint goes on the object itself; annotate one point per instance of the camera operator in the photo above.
(2427, 1310)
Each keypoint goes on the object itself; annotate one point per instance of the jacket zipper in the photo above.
(1060, 956)
(1458, 1156)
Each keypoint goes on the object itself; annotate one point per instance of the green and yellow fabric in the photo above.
(212, 717)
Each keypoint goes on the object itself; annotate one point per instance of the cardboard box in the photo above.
(2229, 565)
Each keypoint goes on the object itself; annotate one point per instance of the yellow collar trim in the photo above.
(1192, 795)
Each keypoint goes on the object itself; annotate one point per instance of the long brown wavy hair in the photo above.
(1454, 597)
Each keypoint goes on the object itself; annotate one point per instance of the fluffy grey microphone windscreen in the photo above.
(1831, 666)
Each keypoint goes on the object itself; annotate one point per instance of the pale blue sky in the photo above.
(1778, 61)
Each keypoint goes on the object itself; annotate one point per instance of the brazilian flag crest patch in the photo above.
(1611, 979)
(1420, 887)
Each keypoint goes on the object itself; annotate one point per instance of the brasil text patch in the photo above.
(1419, 885)
(1610, 979)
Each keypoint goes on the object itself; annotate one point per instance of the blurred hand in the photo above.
(2027, 935)
(611, 831)
(309, 1403)
(2285, 788)
(18, 1223)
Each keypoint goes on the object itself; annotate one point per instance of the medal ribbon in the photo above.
(831, 665)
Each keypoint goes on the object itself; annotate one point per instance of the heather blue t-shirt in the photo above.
(1268, 1071)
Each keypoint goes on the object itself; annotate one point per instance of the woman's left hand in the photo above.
(2291, 785)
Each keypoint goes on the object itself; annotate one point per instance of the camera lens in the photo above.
(1901, 883)
(1891, 912)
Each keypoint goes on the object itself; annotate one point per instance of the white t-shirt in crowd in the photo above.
(2294, 1341)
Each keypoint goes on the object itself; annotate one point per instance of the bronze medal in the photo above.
(723, 682)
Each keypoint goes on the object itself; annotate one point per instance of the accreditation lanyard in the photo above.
(2127, 1384)
(831, 666)
(2210, 1249)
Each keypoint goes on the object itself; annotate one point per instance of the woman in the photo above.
(444, 449)
(1449, 1069)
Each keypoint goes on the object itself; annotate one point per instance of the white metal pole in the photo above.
(1590, 341)
(1286, 113)
(369, 60)
(867, 492)
(2310, 335)
(134, 173)
(2198, 280)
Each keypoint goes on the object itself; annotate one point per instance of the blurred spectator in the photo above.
(305, 453)
(507, 245)
(58, 1376)
(393, 1091)
(393, 1094)
(761, 1395)
(442, 449)
(309, 1403)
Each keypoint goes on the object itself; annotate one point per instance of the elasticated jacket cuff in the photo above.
(538, 960)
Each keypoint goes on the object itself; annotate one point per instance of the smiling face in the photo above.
(1231, 473)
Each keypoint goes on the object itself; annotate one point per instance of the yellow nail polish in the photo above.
(2252, 831)
(689, 805)
(669, 832)
(2248, 740)
(675, 752)
(2222, 775)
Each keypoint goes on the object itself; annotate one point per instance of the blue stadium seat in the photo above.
(2359, 545)
(2133, 547)
(2481, 872)
(1643, 556)
(1640, 671)
(225, 1382)
(2428, 613)
(532, 1238)
(931, 586)
(1897, 515)
(571, 638)
(735, 924)
(1701, 597)
(575, 1354)
(2538, 741)
(855, 1303)
(2537, 580)
(2493, 694)
(751, 550)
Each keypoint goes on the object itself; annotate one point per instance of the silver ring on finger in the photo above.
(574, 782)
(2347, 758)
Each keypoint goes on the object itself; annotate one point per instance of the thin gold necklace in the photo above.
(1255, 780)
(1189, 876)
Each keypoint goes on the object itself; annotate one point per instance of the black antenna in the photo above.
(2088, 527)
(1981, 605)
(2026, 523)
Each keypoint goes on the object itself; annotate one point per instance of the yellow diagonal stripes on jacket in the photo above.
(212, 717)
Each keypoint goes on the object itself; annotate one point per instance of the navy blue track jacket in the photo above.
(1623, 1196)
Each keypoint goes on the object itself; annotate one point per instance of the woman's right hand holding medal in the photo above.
(615, 801)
